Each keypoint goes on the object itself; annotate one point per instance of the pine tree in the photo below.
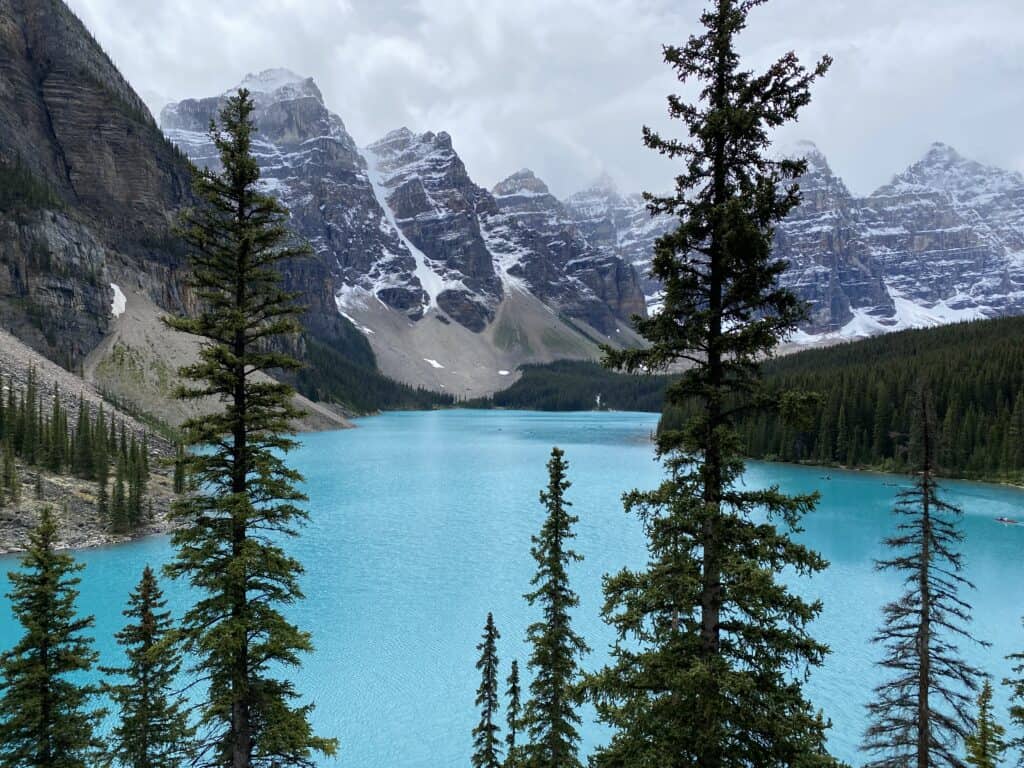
(918, 716)
(549, 714)
(45, 715)
(12, 483)
(228, 546)
(486, 746)
(119, 518)
(711, 646)
(153, 729)
(1017, 706)
(179, 470)
(513, 712)
(985, 745)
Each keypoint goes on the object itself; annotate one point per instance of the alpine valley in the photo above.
(420, 279)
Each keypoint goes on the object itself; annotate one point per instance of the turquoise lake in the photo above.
(421, 524)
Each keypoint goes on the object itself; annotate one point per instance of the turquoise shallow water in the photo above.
(421, 524)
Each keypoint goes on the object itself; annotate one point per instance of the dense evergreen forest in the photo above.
(346, 373)
(37, 429)
(865, 393)
(572, 385)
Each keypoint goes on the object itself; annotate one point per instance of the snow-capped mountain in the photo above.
(942, 242)
(421, 259)
(619, 225)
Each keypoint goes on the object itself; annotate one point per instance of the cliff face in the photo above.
(413, 251)
(942, 242)
(591, 284)
(72, 125)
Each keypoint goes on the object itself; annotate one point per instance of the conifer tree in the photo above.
(985, 745)
(120, 521)
(102, 480)
(179, 470)
(1017, 705)
(549, 714)
(711, 646)
(12, 484)
(486, 745)
(46, 719)
(153, 729)
(513, 712)
(229, 546)
(919, 715)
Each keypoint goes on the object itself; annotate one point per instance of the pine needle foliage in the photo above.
(486, 743)
(244, 503)
(921, 714)
(47, 717)
(986, 743)
(1017, 705)
(549, 717)
(153, 729)
(712, 649)
(513, 713)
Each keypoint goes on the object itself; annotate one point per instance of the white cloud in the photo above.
(564, 87)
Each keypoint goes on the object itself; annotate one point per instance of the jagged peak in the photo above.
(943, 169)
(803, 149)
(522, 181)
(270, 80)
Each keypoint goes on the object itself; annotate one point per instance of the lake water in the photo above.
(421, 524)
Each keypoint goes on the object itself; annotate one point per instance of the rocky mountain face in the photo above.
(944, 241)
(91, 184)
(553, 258)
(401, 225)
(619, 225)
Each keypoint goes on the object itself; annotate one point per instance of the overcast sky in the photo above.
(564, 86)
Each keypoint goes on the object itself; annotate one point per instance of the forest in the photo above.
(574, 385)
(864, 392)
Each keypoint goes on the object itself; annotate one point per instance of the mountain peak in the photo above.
(270, 80)
(520, 182)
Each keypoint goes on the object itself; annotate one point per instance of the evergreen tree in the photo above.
(549, 714)
(12, 484)
(1017, 706)
(102, 479)
(986, 745)
(712, 647)
(486, 746)
(179, 470)
(229, 543)
(120, 521)
(152, 729)
(918, 716)
(45, 715)
(512, 714)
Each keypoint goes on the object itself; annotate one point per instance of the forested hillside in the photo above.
(865, 389)
(578, 386)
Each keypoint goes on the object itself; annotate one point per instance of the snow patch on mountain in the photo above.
(433, 283)
(120, 303)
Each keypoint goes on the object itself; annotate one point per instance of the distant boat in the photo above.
(1006, 521)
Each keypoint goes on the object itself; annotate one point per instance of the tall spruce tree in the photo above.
(1017, 705)
(246, 500)
(46, 714)
(711, 646)
(486, 744)
(986, 743)
(921, 713)
(513, 712)
(549, 714)
(152, 729)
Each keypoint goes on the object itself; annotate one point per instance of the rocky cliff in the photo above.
(944, 241)
(92, 183)
(427, 264)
